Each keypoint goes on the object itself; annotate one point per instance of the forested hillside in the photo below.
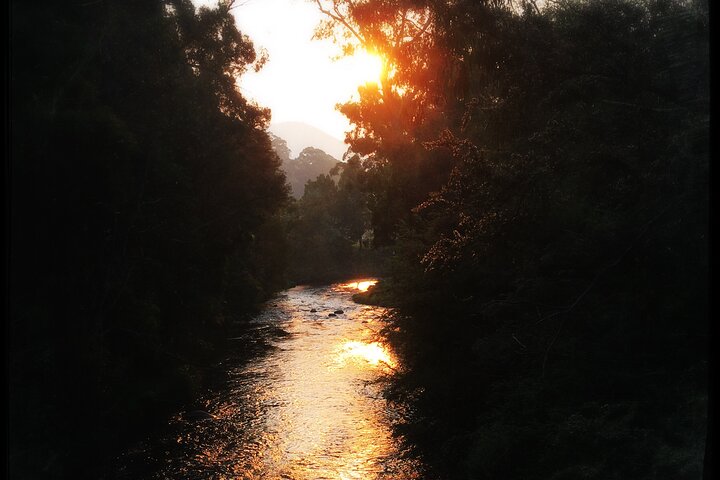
(140, 184)
(308, 165)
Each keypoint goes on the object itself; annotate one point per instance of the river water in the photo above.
(307, 407)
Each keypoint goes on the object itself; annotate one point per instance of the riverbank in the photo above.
(379, 294)
(492, 401)
(355, 262)
(143, 454)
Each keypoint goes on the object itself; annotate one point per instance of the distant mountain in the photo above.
(300, 135)
(310, 163)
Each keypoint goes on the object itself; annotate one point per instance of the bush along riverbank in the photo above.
(596, 400)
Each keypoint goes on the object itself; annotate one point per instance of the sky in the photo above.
(300, 82)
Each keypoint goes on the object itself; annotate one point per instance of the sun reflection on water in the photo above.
(373, 353)
(361, 285)
(312, 409)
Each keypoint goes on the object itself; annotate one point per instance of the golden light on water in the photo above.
(362, 285)
(311, 408)
(373, 353)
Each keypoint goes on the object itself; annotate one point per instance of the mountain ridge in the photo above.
(309, 163)
(299, 136)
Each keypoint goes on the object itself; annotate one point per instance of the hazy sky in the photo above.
(300, 82)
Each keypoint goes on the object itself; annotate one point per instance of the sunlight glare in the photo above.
(362, 285)
(373, 353)
(362, 68)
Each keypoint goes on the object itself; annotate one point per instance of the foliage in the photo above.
(141, 181)
(326, 226)
(562, 254)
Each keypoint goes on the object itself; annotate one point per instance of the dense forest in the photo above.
(529, 179)
(542, 175)
(142, 184)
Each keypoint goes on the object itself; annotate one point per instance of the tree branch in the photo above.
(339, 17)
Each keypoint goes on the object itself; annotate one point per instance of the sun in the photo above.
(362, 68)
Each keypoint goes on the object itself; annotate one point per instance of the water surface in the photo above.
(309, 407)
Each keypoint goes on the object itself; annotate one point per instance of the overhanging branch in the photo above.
(340, 18)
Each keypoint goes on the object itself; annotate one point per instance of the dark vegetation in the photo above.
(542, 175)
(535, 181)
(323, 228)
(142, 184)
(326, 229)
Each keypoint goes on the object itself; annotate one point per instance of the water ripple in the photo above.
(312, 408)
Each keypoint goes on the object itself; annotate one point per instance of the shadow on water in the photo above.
(306, 404)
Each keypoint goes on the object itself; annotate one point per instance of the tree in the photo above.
(139, 180)
(567, 235)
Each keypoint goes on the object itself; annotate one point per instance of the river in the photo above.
(308, 406)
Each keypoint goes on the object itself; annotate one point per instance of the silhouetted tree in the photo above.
(140, 178)
(564, 243)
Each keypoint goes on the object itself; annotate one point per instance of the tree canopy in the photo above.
(542, 173)
(140, 179)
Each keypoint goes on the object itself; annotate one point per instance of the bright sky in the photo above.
(300, 82)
